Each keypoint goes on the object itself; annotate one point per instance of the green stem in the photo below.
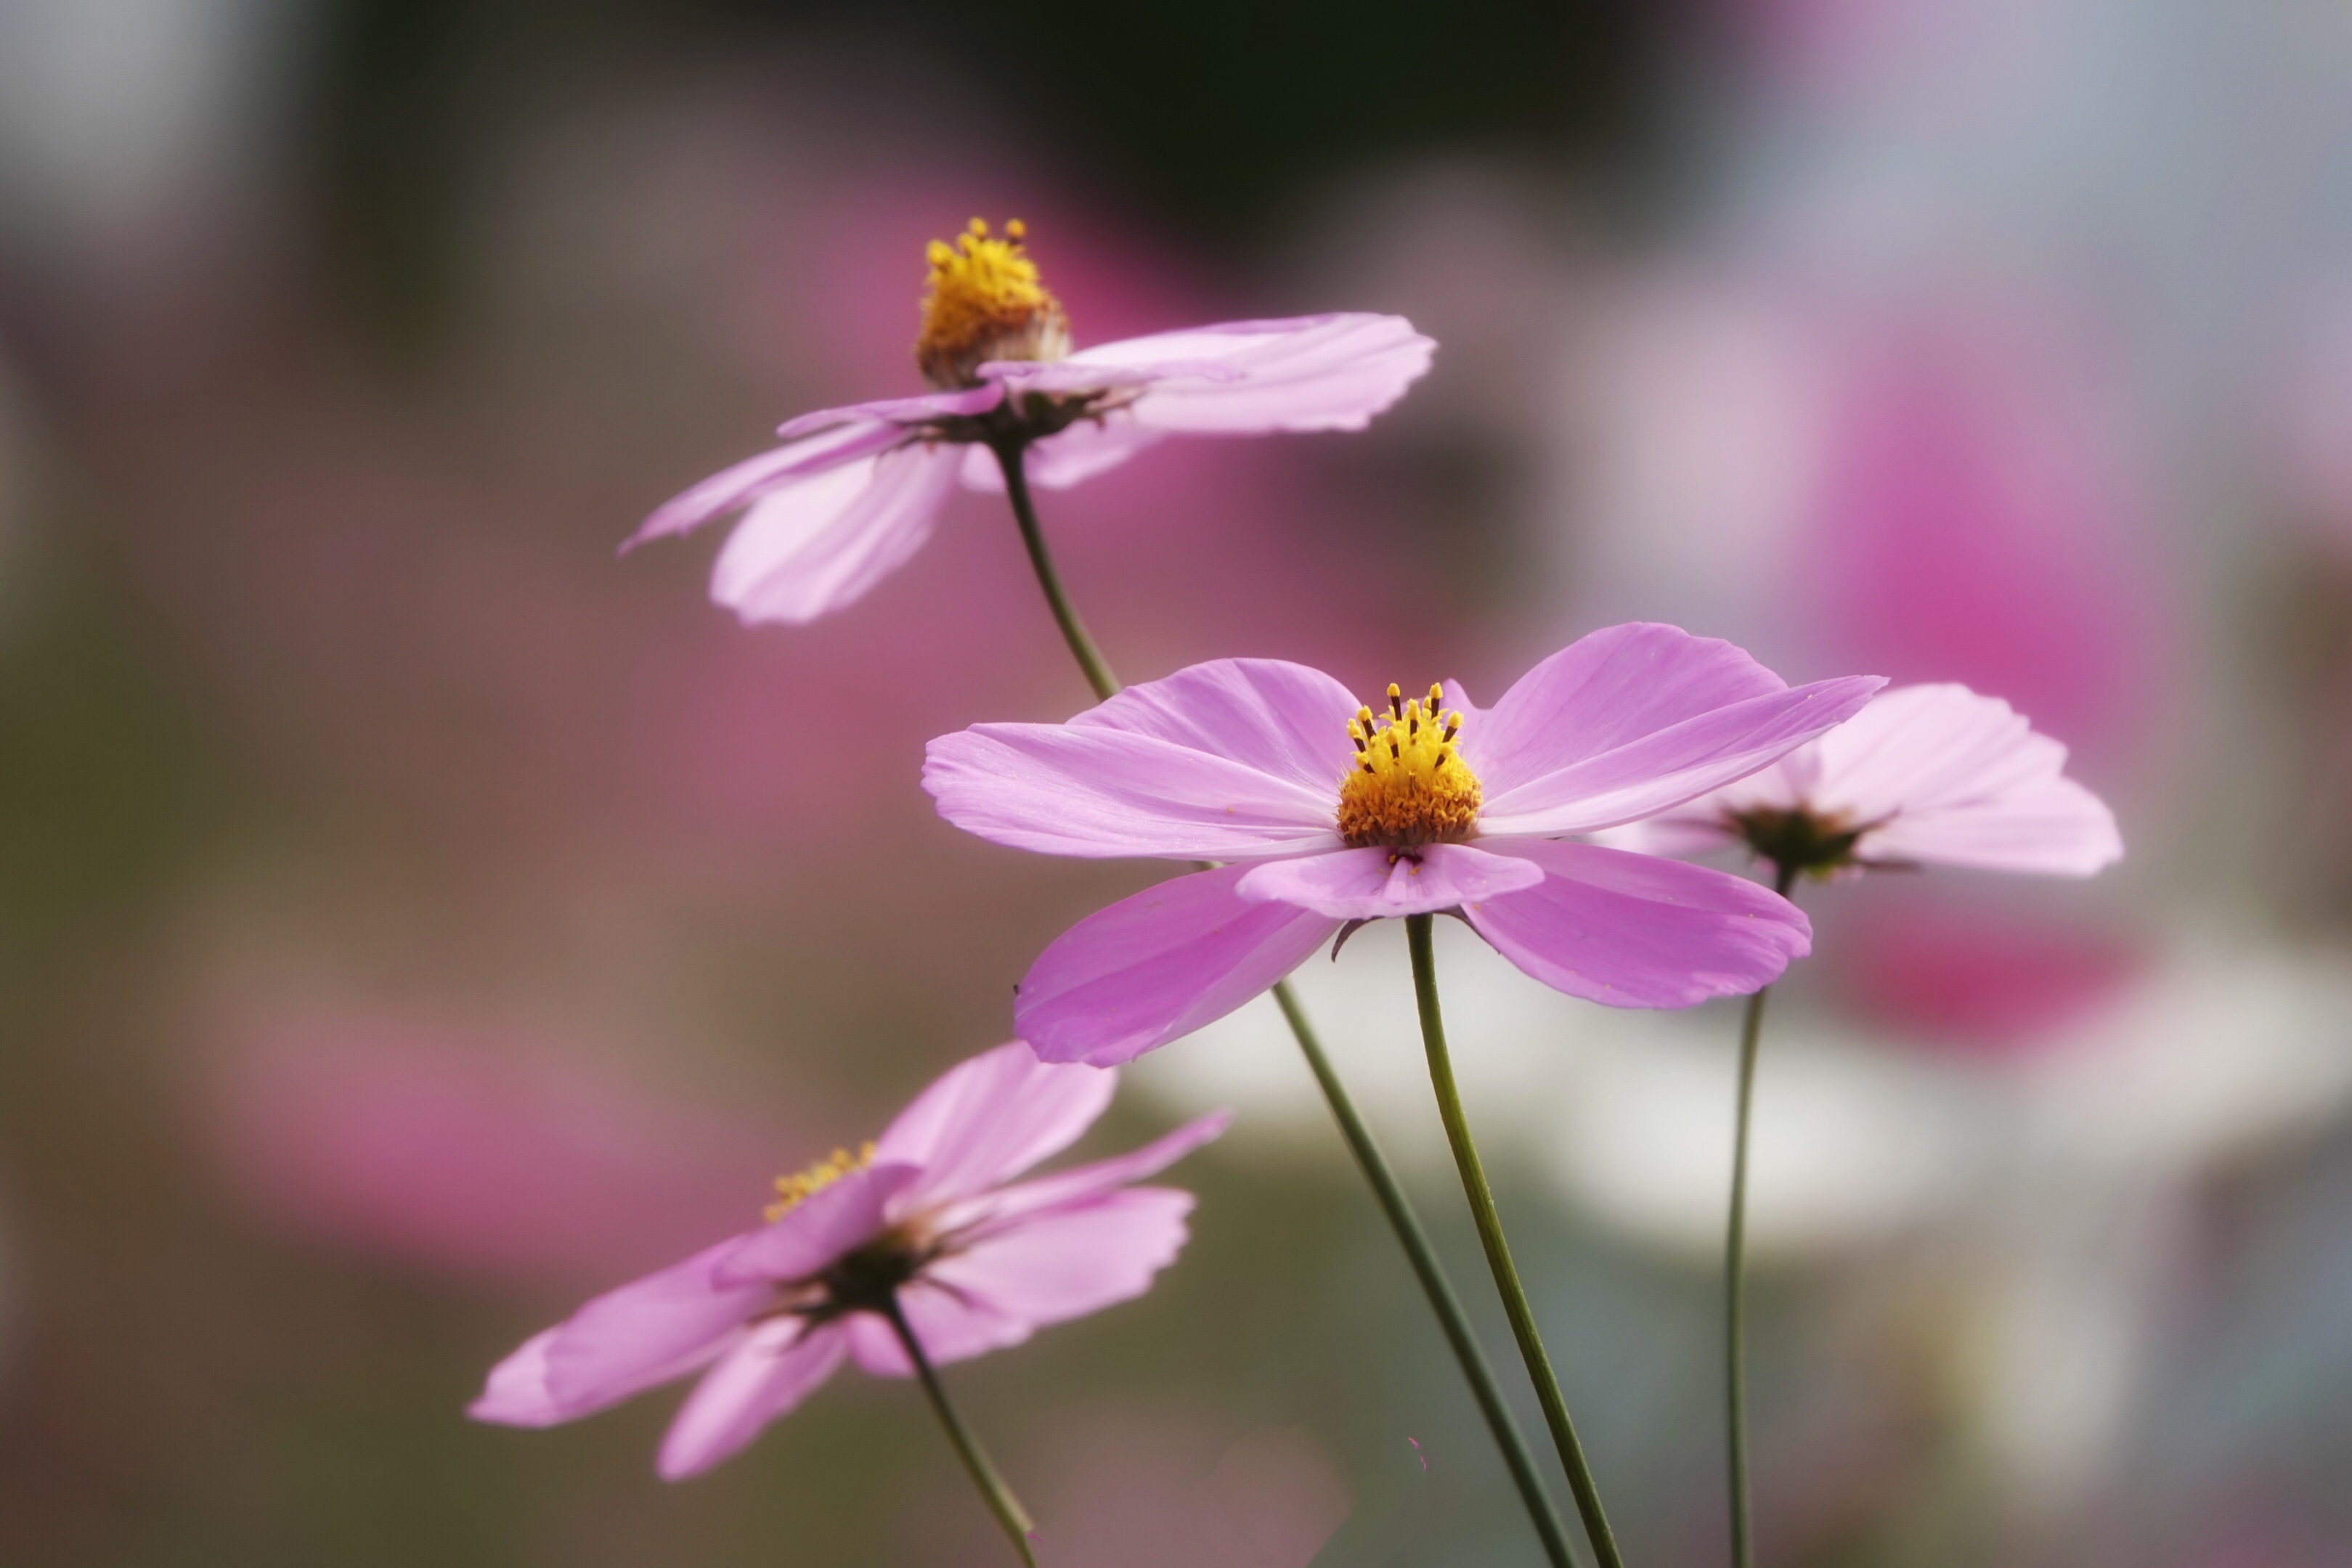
(1734, 1274)
(1443, 1298)
(1498, 1249)
(993, 1490)
(1096, 668)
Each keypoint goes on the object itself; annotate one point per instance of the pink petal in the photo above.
(829, 1222)
(2054, 827)
(946, 1327)
(1311, 372)
(780, 1363)
(1213, 763)
(819, 542)
(1089, 448)
(1632, 720)
(1634, 931)
(902, 412)
(1285, 719)
(623, 1342)
(1054, 1266)
(844, 441)
(1158, 965)
(1066, 1261)
(1374, 884)
(989, 1119)
(982, 1214)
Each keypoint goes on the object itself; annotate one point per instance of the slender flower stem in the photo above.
(993, 1490)
(1096, 668)
(1447, 1306)
(1735, 1275)
(1498, 1249)
(1443, 1298)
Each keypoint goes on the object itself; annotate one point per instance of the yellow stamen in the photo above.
(1408, 785)
(791, 1191)
(983, 303)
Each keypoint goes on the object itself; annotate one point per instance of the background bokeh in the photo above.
(412, 919)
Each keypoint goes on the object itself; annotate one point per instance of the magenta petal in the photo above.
(901, 411)
(1158, 965)
(1375, 883)
(1311, 372)
(1072, 790)
(747, 481)
(983, 1214)
(780, 1363)
(1634, 931)
(989, 1119)
(828, 1223)
(628, 1340)
(819, 542)
(1635, 719)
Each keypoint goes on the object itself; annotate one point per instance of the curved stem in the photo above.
(1498, 1250)
(993, 1490)
(1096, 668)
(1734, 1274)
(1442, 1300)
(1387, 1192)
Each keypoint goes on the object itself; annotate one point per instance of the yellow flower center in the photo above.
(1409, 785)
(983, 303)
(791, 1191)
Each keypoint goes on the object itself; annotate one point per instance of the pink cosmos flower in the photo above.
(924, 1214)
(1337, 815)
(1924, 774)
(852, 492)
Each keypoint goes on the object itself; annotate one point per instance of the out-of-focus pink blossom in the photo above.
(854, 491)
(1334, 816)
(1924, 774)
(467, 1153)
(927, 1215)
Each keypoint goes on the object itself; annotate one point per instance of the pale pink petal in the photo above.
(1089, 448)
(906, 413)
(1284, 719)
(1116, 787)
(827, 1223)
(623, 1342)
(821, 540)
(1632, 720)
(1060, 378)
(982, 1214)
(1684, 831)
(1066, 1261)
(948, 1327)
(844, 442)
(2054, 827)
(1635, 931)
(989, 1119)
(1053, 1266)
(1375, 883)
(1158, 965)
(780, 1363)
(1309, 372)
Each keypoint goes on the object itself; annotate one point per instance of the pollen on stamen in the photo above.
(984, 301)
(793, 1190)
(1413, 788)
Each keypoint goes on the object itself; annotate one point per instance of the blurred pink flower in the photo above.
(1339, 817)
(469, 1154)
(854, 491)
(1924, 774)
(919, 1217)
